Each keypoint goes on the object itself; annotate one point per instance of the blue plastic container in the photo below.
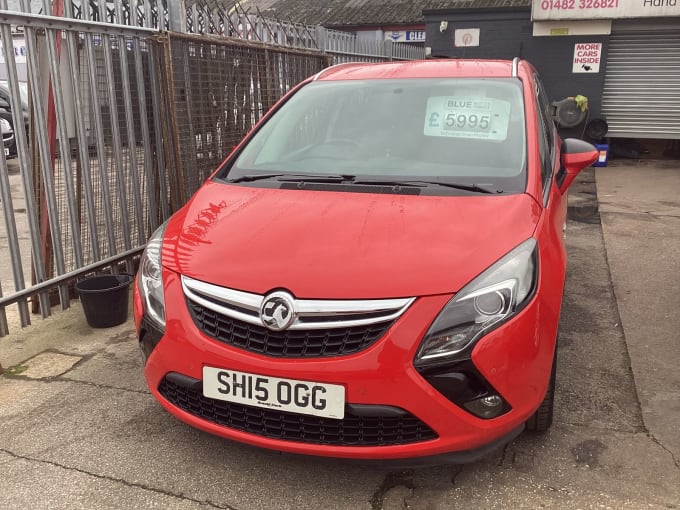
(603, 154)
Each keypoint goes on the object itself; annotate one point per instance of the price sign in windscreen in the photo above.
(481, 118)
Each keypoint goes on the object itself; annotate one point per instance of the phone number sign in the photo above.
(542, 10)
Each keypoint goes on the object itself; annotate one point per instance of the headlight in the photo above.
(486, 302)
(151, 278)
(5, 126)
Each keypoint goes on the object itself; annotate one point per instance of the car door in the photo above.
(554, 201)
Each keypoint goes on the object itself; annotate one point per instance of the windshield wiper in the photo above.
(253, 177)
(288, 177)
(353, 179)
(476, 188)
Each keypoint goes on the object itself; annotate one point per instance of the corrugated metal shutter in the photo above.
(642, 86)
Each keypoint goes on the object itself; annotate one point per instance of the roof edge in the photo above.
(451, 10)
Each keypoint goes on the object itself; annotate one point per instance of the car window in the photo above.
(547, 134)
(23, 92)
(469, 129)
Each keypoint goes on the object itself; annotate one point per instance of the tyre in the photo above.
(541, 420)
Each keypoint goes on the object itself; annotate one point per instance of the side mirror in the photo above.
(576, 155)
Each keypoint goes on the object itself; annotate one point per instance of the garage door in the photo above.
(642, 86)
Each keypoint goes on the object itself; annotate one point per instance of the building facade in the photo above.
(623, 55)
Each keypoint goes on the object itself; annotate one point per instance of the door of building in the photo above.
(641, 97)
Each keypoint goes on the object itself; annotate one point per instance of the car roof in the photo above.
(432, 68)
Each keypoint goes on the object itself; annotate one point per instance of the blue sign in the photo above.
(405, 36)
(415, 35)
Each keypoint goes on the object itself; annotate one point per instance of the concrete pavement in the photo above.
(78, 429)
(640, 211)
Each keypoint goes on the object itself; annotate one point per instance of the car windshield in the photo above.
(465, 131)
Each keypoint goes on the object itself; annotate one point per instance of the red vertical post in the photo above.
(57, 10)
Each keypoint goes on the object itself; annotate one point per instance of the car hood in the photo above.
(339, 245)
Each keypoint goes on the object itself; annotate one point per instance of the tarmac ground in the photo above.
(78, 428)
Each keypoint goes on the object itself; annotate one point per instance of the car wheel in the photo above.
(541, 420)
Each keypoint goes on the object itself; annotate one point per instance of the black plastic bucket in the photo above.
(596, 129)
(105, 299)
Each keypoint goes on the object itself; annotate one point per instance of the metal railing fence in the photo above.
(91, 186)
(241, 21)
(227, 19)
(115, 123)
(140, 13)
(219, 89)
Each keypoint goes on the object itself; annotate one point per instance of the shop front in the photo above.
(623, 55)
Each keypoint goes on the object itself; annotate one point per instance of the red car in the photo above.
(375, 272)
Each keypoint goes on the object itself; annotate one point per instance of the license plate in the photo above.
(6, 151)
(302, 397)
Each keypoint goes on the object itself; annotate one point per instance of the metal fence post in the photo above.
(321, 38)
(177, 14)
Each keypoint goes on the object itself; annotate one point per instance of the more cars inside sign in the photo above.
(587, 57)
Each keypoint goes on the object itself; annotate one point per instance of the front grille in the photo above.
(351, 431)
(292, 343)
(312, 328)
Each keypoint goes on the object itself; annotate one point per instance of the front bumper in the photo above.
(515, 359)
(9, 145)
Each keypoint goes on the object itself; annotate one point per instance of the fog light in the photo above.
(149, 336)
(492, 401)
(462, 384)
(487, 407)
